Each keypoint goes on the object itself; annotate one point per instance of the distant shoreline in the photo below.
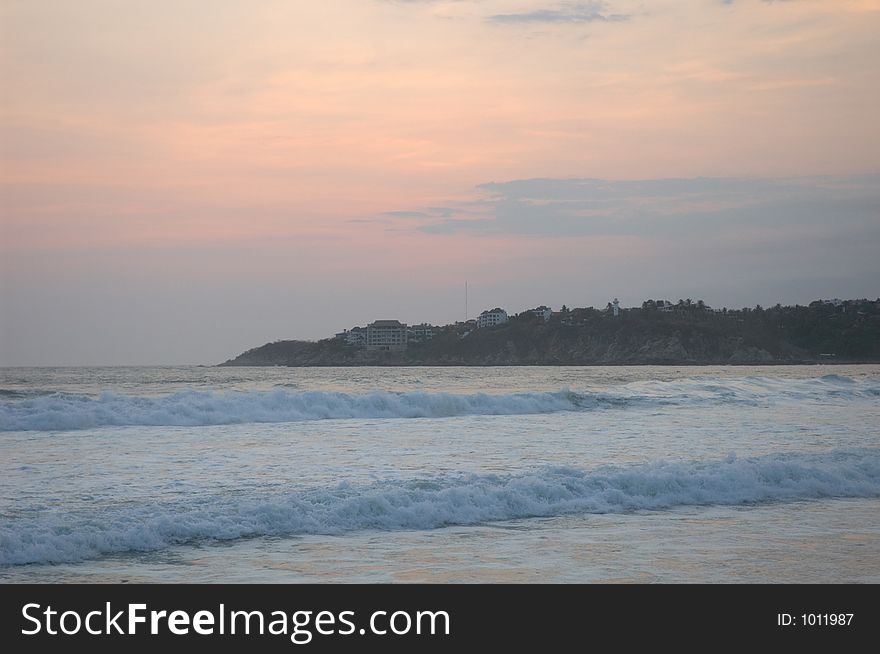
(838, 332)
(683, 364)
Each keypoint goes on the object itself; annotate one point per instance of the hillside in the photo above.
(691, 334)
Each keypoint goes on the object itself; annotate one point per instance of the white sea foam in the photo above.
(193, 408)
(432, 502)
(60, 411)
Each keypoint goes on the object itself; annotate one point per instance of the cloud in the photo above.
(661, 209)
(428, 212)
(575, 12)
(733, 241)
(766, 2)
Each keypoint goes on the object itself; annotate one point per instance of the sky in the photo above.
(181, 181)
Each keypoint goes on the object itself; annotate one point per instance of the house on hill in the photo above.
(386, 335)
(492, 317)
(542, 312)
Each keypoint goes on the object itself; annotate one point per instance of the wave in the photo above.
(16, 393)
(434, 502)
(195, 408)
(65, 411)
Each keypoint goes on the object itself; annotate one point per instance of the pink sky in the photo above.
(184, 180)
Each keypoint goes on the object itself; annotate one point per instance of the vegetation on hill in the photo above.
(690, 333)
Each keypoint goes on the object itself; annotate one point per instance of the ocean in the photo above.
(509, 474)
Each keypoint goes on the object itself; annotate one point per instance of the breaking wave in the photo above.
(433, 502)
(194, 408)
(65, 411)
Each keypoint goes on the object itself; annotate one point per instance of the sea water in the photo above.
(561, 474)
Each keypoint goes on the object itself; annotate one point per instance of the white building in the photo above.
(542, 312)
(665, 305)
(386, 335)
(492, 317)
(420, 333)
(356, 336)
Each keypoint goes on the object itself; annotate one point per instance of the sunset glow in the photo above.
(172, 171)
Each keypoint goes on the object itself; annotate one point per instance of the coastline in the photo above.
(818, 334)
(672, 364)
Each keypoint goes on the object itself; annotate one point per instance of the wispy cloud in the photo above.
(575, 12)
(767, 2)
(426, 213)
(660, 208)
